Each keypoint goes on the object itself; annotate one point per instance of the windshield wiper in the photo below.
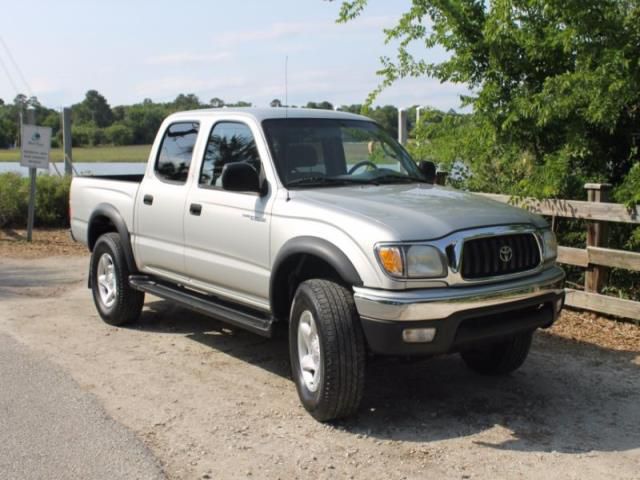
(321, 181)
(391, 178)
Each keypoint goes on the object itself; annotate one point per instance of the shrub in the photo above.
(52, 200)
(12, 198)
(119, 134)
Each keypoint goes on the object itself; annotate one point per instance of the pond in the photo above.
(98, 168)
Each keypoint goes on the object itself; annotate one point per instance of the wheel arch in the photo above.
(302, 258)
(104, 219)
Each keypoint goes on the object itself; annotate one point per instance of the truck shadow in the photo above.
(569, 397)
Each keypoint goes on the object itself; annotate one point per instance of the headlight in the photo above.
(424, 261)
(412, 261)
(550, 245)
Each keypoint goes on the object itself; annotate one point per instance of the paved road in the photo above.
(51, 429)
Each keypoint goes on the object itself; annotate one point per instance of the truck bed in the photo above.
(89, 192)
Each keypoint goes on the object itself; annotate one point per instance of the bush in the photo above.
(119, 134)
(13, 196)
(52, 200)
(87, 135)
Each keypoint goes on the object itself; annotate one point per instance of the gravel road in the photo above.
(212, 402)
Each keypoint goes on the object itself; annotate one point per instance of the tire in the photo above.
(124, 304)
(499, 358)
(334, 389)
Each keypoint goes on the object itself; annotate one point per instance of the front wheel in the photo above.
(327, 350)
(499, 358)
(116, 302)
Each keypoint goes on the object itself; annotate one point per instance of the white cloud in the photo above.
(187, 57)
(281, 30)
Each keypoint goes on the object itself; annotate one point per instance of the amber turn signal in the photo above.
(391, 260)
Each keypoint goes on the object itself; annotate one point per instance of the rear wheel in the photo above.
(327, 350)
(116, 302)
(499, 358)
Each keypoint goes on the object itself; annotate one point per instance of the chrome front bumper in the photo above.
(440, 303)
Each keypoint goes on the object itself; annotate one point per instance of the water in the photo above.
(105, 168)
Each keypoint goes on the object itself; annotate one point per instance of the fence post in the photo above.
(595, 276)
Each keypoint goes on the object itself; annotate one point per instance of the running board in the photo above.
(208, 305)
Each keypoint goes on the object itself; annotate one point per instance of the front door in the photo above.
(227, 233)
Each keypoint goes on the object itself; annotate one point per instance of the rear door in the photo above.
(227, 233)
(161, 202)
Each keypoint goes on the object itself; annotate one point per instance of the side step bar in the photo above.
(207, 305)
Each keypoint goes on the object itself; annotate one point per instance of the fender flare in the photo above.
(317, 247)
(109, 211)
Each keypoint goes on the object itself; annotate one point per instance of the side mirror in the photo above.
(428, 170)
(241, 177)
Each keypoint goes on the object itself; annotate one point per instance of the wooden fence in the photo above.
(595, 258)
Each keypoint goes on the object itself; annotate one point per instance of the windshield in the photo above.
(310, 152)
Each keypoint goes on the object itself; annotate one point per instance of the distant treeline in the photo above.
(95, 122)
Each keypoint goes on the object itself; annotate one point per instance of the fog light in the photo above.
(418, 335)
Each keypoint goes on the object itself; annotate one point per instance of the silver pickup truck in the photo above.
(320, 222)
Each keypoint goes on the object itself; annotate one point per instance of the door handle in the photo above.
(147, 199)
(195, 209)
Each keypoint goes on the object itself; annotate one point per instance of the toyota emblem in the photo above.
(506, 253)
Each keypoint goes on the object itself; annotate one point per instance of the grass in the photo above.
(129, 153)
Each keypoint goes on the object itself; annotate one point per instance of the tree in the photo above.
(555, 85)
(93, 109)
(186, 102)
(118, 134)
(320, 105)
(276, 103)
(216, 102)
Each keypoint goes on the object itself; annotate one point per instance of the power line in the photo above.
(15, 65)
(6, 70)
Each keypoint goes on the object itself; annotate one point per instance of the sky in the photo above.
(234, 50)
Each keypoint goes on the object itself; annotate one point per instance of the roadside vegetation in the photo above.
(52, 200)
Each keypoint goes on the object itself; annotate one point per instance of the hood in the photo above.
(417, 211)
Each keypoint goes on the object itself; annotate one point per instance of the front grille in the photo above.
(489, 256)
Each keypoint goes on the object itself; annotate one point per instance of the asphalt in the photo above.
(51, 429)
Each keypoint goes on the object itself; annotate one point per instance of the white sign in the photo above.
(36, 143)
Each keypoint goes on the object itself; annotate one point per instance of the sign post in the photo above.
(35, 144)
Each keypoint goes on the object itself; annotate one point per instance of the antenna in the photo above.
(286, 86)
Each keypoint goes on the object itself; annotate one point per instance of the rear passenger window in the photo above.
(176, 151)
(228, 142)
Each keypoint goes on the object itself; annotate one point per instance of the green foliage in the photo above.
(12, 198)
(324, 105)
(94, 109)
(629, 191)
(52, 200)
(555, 86)
(119, 134)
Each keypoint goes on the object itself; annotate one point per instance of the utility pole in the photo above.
(402, 126)
(31, 120)
(66, 141)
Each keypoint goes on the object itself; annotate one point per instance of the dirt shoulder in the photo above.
(45, 243)
(214, 402)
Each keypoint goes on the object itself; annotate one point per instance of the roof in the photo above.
(260, 114)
